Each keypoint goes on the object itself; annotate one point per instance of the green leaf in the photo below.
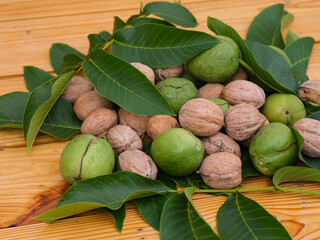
(40, 103)
(160, 46)
(95, 40)
(140, 21)
(266, 26)
(299, 54)
(287, 18)
(118, 24)
(105, 35)
(311, 162)
(61, 122)
(192, 180)
(181, 220)
(294, 173)
(171, 12)
(266, 63)
(71, 61)
(119, 215)
(57, 52)
(34, 77)
(166, 180)
(248, 169)
(123, 84)
(110, 191)
(242, 218)
(315, 115)
(291, 37)
(151, 208)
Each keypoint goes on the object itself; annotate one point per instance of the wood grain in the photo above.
(31, 183)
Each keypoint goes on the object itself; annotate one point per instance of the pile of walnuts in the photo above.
(221, 167)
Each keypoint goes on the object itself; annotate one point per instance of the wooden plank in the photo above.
(35, 36)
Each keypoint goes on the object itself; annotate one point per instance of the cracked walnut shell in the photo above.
(309, 129)
(201, 117)
(220, 142)
(122, 138)
(138, 162)
(242, 121)
(242, 91)
(221, 170)
(310, 90)
(170, 72)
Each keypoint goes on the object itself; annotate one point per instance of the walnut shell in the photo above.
(136, 122)
(242, 91)
(76, 86)
(99, 121)
(147, 71)
(221, 170)
(89, 101)
(220, 142)
(310, 90)
(160, 123)
(242, 121)
(138, 162)
(122, 138)
(201, 117)
(310, 130)
(171, 72)
(247, 142)
(210, 90)
(239, 75)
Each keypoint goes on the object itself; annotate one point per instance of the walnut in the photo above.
(148, 72)
(160, 123)
(242, 121)
(76, 86)
(247, 142)
(136, 122)
(220, 142)
(309, 129)
(221, 170)
(122, 138)
(240, 91)
(138, 162)
(239, 75)
(99, 121)
(201, 117)
(170, 72)
(310, 90)
(210, 90)
(89, 101)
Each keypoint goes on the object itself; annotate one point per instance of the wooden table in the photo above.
(31, 183)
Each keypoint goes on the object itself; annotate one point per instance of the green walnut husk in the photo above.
(273, 147)
(284, 108)
(187, 75)
(223, 104)
(86, 156)
(218, 63)
(177, 152)
(177, 91)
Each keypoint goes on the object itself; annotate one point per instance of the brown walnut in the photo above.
(309, 129)
(221, 170)
(138, 162)
(147, 71)
(160, 123)
(89, 101)
(242, 121)
(310, 90)
(99, 121)
(201, 117)
(76, 86)
(247, 142)
(136, 122)
(171, 72)
(220, 142)
(210, 90)
(242, 91)
(122, 138)
(239, 75)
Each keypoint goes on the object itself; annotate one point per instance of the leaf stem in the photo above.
(246, 66)
(107, 44)
(275, 188)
